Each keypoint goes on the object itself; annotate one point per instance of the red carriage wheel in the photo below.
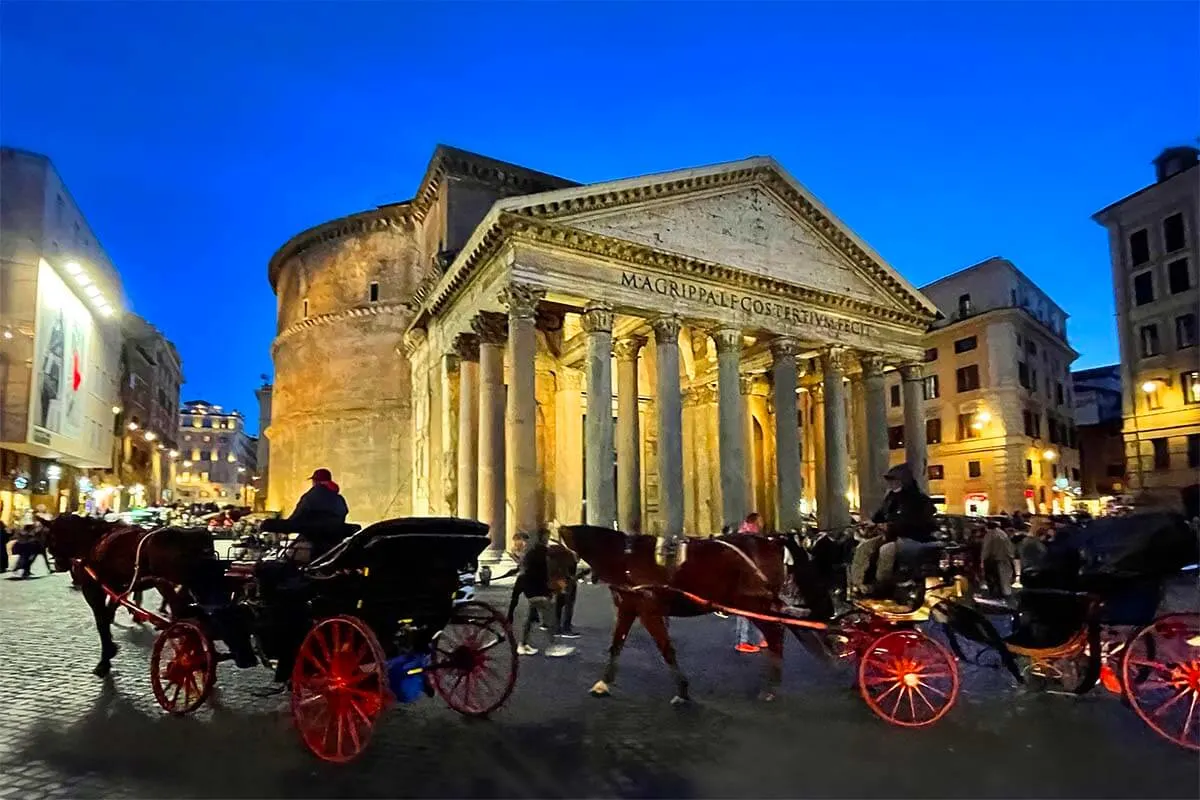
(474, 665)
(908, 679)
(339, 688)
(183, 667)
(1161, 677)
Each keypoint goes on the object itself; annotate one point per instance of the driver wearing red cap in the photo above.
(322, 508)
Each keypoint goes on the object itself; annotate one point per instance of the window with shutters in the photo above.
(967, 378)
(1139, 247)
(1143, 288)
(1174, 235)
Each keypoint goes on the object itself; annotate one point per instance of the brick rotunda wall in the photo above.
(341, 396)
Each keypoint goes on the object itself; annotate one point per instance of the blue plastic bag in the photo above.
(406, 676)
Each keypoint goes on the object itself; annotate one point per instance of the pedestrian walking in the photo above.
(539, 594)
(997, 556)
(3, 547)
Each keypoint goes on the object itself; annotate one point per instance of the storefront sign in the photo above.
(724, 298)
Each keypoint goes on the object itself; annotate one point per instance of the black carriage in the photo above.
(373, 621)
(1093, 618)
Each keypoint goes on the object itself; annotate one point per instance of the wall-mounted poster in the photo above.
(61, 346)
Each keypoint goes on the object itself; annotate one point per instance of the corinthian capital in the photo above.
(491, 327)
(597, 318)
(521, 300)
(833, 359)
(627, 349)
(872, 365)
(466, 346)
(666, 328)
(784, 347)
(912, 371)
(729, 340)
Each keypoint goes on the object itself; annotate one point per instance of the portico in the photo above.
(692, 332)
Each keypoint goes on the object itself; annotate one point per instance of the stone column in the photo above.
(156, 480)
(629, 456)
(731, 426)
(568, 446)
(492, 329)
(876, 448)
(787, 432)
(911, 375)
(172, 469)
(601, 493)
(448, 419)
(749, 478)
(820, 467)
(837, 456)
(467, 347)
(670, 424)
(522, 405)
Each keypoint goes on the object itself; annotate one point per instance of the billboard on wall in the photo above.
(62, 342)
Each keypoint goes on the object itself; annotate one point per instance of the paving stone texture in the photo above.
(65, 733)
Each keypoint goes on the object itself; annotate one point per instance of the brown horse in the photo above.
(740, 571)
(125, 558)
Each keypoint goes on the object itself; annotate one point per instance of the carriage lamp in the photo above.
(1049, 455)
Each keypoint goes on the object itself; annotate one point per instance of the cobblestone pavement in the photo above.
(65, 733)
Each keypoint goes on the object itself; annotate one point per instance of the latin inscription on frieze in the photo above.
(748, 304)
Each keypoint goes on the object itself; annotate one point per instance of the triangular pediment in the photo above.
(749, 216)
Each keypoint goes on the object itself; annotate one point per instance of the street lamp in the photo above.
(150, 436)
(173, 454)
(1049, 455)
(133, 426)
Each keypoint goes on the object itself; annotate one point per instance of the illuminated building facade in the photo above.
(217, 458)
(997, 396)
(1154, 241)
(61, 302)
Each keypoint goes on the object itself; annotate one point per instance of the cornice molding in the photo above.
(764, 175)
(535, 231)
(321, 320)
(398, 215)
(452, 161)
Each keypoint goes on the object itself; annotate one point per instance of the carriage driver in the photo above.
(319, 516)
(907, 518)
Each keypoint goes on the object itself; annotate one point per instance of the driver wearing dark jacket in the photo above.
(907, 514)
(320, 514)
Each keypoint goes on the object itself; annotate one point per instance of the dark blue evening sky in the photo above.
(198, 137)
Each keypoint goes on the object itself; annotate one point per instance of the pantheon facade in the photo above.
(662, 354)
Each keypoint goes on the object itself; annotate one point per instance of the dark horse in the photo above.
(125, 558)
(739, 571)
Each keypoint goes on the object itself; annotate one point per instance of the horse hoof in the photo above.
(102, 669)
(600, 689)
(679, 700)
(766, 696)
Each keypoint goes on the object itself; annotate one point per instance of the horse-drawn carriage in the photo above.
(1075, 628)
(374, 620)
